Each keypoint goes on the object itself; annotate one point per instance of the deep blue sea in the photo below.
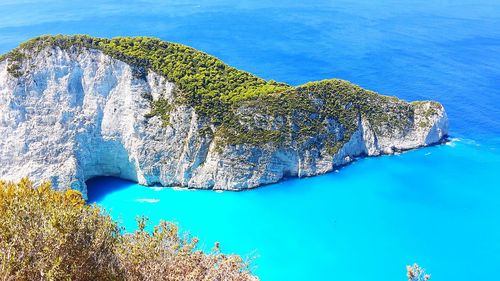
(438, 206)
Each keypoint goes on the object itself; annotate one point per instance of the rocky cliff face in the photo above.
(68, 115)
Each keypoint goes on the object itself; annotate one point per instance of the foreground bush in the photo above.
(50, 235)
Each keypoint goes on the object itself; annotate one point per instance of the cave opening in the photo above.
(98, 187)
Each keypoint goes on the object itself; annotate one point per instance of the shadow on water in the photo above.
(99, 187)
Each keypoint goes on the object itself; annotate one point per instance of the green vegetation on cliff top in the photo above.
(206, 83)
(235, 105)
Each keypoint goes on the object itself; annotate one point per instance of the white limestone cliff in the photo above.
(74, 115)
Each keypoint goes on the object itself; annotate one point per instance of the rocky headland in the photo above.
(160, 113)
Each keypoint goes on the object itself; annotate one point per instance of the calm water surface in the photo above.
(438, 206)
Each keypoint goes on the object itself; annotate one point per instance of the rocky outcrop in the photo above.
(68, 115)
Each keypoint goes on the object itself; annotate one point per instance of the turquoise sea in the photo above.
(438, 206)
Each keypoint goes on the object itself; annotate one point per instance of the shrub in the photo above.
(51, 235)
(416, 273)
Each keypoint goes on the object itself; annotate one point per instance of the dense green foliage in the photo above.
(206, 83)
(306, 116)
(236, 106)
(51, 235)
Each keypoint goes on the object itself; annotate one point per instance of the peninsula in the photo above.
(161, 113)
